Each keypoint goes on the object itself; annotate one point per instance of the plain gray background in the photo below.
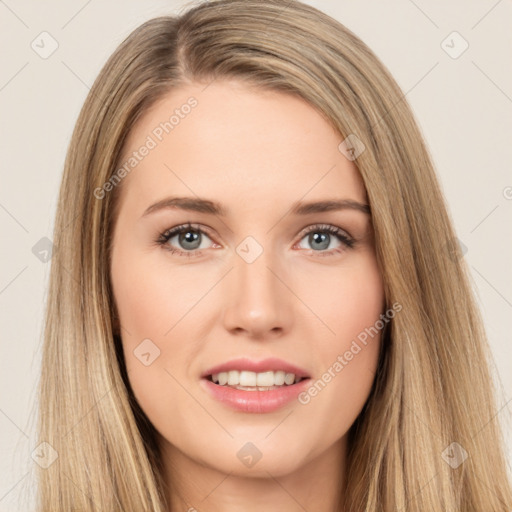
(462, 102)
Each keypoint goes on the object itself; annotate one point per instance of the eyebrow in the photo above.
(213, 208)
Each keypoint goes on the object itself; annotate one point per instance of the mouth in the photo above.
(248, 394)
(255, 381)
(250, 386)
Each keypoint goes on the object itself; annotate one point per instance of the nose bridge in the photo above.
(257, 279)
(258, 299)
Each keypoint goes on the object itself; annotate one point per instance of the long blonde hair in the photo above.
(433, 386)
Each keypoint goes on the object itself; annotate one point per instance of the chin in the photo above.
(256, 459)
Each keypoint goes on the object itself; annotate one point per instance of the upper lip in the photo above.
(270, 364)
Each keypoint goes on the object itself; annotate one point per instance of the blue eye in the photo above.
(190, 237)
(321, 237)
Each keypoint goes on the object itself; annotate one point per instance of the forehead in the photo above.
(232, 142)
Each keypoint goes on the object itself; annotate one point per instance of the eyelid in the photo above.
(324, 227)
(187, 225)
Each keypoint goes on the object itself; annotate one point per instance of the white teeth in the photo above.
(252, 379)
(246, 379)
(289, 378)
(265, 379)
(279, 378)
(233, 377)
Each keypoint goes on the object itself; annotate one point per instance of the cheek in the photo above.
(153, 305)
(352, 304)
(358, 305)
(346, 300)
(150, 298)
(359, 323)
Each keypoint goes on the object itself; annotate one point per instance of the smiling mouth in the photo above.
(252, 381)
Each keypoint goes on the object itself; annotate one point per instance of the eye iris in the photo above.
(320, 237)
(189, 237)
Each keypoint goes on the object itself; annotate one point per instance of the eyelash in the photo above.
(164, 237)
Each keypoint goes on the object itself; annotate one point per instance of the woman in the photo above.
(202, 351)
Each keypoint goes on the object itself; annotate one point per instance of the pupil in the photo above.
(320, 237)
(189, 238)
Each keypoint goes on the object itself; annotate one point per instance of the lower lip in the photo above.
(255, 401)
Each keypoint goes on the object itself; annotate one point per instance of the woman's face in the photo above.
(260, 278)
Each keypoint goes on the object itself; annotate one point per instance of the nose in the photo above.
(259, 304)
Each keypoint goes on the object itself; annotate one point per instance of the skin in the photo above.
(256, 152)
